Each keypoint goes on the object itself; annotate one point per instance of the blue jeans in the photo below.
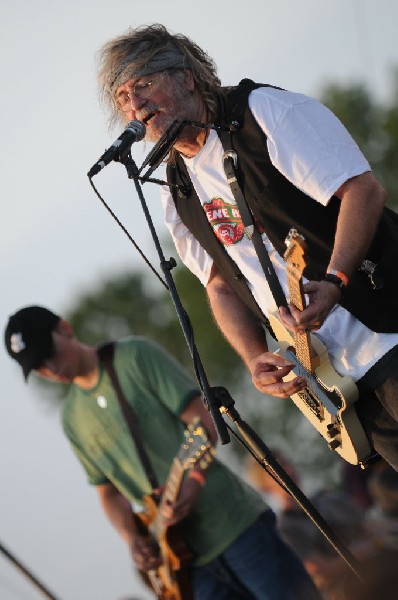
(257, 566)
(377, 407)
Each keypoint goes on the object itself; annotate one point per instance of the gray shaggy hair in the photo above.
(154, 39)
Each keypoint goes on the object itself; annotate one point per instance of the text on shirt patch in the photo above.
(226, 221)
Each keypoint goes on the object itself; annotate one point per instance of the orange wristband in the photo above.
(198, 476)
(340, 275)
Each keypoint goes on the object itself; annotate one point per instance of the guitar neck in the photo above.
(170, 494)
(301, 340)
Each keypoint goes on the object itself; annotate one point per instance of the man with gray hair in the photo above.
(149, 60)
(293, 164)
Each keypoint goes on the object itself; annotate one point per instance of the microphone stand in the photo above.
(167, 266)
(218, 400)
(28, 574)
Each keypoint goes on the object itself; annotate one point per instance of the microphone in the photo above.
(162, 147)
(134, 132)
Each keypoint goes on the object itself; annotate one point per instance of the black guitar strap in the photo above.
(105, 354)
(252, 232)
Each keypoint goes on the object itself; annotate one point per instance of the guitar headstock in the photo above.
(295, 255)
(196, 446)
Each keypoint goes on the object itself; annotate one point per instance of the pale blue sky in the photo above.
(57, 240)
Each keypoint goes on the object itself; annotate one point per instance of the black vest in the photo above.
(278, 206)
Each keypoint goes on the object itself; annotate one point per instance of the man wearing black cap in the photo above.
(227, 526)
(29, 337)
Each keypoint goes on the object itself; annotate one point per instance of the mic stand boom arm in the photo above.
(218, 400)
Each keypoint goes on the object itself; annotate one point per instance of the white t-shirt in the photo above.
(310, 146)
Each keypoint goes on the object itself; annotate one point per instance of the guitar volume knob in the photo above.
(333, 430)
(334, 444)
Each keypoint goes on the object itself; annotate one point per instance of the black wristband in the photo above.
(334, 279)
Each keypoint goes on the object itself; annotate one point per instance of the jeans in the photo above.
(377, 407)
(257, 566)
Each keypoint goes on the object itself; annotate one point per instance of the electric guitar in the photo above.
(171, 581)
(328, 400)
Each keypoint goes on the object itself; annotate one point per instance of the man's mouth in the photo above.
(148, 117)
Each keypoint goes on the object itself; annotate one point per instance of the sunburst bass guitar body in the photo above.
(171, 581)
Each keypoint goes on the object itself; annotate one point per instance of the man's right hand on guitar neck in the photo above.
(174, 513)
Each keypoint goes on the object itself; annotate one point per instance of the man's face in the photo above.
(63, 366)
(157, 100)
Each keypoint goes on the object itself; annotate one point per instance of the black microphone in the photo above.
(162, 147)
(134, 132)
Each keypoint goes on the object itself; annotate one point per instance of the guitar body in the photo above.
(328, 400)
(333, 415)
(171, 581)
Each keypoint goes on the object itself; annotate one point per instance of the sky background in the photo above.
(57, 240)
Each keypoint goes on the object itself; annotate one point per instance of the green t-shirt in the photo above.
(158, 390)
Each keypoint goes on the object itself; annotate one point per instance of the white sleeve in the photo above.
(306, 142)
(189, 249)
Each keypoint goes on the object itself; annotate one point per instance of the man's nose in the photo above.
(135, 105)
(136, 102)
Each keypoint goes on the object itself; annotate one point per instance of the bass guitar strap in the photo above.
(251, 230)
(105, 354)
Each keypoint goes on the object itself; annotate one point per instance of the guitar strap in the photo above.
(105, 354)
(252, 232)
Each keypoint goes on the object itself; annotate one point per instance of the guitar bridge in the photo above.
(313, 403)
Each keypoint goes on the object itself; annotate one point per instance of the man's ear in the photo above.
(64, 328)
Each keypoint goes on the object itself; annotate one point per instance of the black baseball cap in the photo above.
(28, 336)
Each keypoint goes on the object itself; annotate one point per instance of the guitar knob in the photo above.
(334, 444)
(333, 430)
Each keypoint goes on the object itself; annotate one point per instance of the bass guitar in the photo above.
(171, 580)
(328, 400)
